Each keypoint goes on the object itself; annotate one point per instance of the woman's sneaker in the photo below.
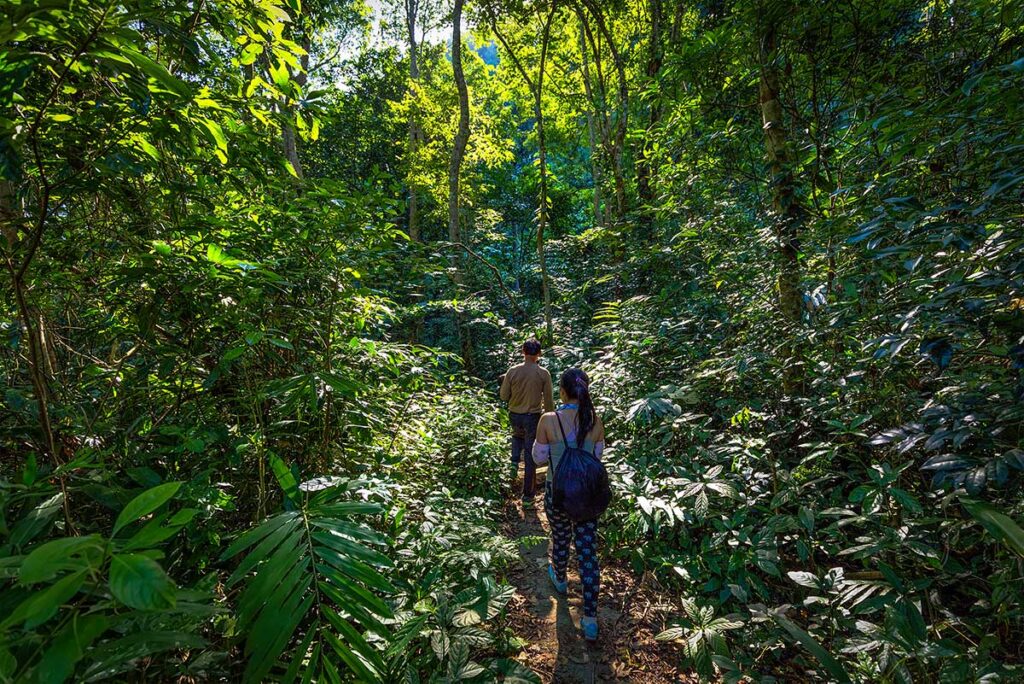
(560, 587)
(589, 626)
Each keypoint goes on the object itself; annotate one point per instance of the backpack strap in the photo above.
(562, 430)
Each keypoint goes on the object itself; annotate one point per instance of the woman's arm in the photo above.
(542, 445)
(598, 437)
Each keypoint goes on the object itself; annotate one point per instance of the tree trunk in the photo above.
(458, 151)
(291, 145)
(595, 166)
(644, 170)
(599, 99)
(789, 215)
(415, 130)
(8, 213)
(537, 91)
(542, 205)
(462, 134)
(622, 115)
(31, 319)
(289, 137)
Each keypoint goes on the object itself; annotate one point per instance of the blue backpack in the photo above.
(580, 486)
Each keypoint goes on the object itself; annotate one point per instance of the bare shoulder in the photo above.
(598, 429)
(543, 427)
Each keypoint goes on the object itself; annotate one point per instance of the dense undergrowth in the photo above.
(256, 299)
(397, 550)
(863, 530)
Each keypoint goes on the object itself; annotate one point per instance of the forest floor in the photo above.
(629, 614)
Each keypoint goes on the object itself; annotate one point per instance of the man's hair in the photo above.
(531, 347)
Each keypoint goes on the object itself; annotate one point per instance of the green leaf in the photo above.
(670, 634)
(155, 531)
(999, 525)
(217, 255)
(8, 664)
(40, 606)
(804, 579)
(107, 659)
(279, 72)
(158, 73)
(139, 582)
(149, 148)
(260, 533)
(162, 248)
(216, 133)
(54, 557)
(514, 672)
(145, 503)
(806, 516)
(36, 521)
(285, 477)
(831, 665)
(69, 646)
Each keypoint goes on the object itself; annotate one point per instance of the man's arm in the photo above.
(549, 402)
(506, 387)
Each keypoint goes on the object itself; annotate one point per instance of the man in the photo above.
(527, 389)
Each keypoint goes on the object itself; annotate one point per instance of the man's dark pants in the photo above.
(524, 432)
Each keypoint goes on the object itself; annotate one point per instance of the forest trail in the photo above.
(627, 613)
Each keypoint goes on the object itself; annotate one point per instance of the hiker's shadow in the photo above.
(575, 660)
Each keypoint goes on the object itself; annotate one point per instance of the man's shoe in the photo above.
(589, 626)
(560, 587)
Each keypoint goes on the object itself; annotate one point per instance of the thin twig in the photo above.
(497, 275)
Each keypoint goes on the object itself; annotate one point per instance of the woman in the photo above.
(582, 427)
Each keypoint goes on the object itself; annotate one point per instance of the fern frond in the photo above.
(312, 582)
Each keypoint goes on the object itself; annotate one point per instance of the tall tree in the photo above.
(644, 169)
(536, 87)
(592, 133)
(462, 133)
(615, 143)
(455, 168)
(789, 214)
(412, 13)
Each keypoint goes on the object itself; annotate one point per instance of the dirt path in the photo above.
(626, 649)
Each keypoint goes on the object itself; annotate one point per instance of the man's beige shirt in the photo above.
(527, 388)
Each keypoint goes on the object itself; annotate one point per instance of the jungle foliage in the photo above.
(256, 297)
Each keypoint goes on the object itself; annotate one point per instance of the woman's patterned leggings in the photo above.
(562, 530)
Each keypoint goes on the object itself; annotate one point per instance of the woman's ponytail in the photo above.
(576, 385)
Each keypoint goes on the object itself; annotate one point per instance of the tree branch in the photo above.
(497, 275)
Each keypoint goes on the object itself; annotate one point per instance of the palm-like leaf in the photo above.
(310, 579)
